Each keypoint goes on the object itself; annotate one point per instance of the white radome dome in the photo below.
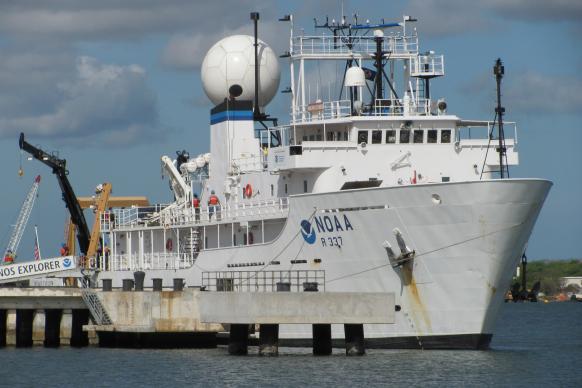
(231, 62)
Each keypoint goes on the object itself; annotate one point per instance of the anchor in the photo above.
(406, 254)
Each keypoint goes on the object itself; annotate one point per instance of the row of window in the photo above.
(404, 136)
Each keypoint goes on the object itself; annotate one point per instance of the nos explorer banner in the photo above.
(36, 268)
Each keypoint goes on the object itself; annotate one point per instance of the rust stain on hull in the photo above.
(414, 296)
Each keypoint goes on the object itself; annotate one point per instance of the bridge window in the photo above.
(418, 135)
(445, 136)
(391, 136)
(362, 137)
(404, 136)
(305, 186)
(285, 188)
(376, 137)
(431, 136)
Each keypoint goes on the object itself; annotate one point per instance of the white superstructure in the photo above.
(380, 189)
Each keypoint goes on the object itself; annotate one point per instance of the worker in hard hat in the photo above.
(196, 206)
(213, 205)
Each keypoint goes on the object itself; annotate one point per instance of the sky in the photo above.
(112, 85)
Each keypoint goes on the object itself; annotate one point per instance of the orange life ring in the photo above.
(248, 190)
(169, 244)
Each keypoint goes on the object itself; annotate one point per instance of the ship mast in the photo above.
(498, 71)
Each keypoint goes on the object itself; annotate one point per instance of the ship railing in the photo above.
(401, 107)
(145, 261)
(326, 45)
(481, 132)
(212, 214)
(264, 281)
(127, 217)
(427, 65)
(185, 214)
(406, 106)
(321, 111)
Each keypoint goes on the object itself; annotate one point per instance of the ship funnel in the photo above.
(355, 77)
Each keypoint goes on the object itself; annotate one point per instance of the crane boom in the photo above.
(22, 219)
(59, 167)
(101, 207)
(181, 190)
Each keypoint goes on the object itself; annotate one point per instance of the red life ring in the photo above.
(169, 245)
(248, 190)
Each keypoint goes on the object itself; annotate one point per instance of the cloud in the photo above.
(529, 92)
(104, 19)
(187, 51)
(100, 104)
(537, 10)
(535, 93)
(449, 17)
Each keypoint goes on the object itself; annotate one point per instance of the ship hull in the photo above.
(467, 239)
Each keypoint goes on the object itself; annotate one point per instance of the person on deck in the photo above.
(213, 205)
(196, 206)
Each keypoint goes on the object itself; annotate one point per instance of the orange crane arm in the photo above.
(102, 202)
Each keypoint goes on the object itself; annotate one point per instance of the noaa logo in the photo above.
(308, 232)
(67, 263)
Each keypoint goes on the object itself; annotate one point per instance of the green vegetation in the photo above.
(549, 272)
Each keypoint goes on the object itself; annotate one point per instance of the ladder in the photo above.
(96, 308)
(191, 244)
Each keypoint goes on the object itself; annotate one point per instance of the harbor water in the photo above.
(535, 344)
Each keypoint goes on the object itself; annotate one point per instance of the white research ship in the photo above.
(377, 190)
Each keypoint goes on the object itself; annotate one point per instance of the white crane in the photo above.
(22, 219)
(181, 190)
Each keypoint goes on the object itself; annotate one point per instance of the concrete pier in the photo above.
(11, 327)
(65, 327)
(317, 308)
(184, 318)
(38, 328)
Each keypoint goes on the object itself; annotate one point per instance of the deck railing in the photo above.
(264, 281)
(322, 45)
(136, 261)
(185, 214)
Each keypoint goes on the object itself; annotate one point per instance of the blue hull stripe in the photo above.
(231, 115)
